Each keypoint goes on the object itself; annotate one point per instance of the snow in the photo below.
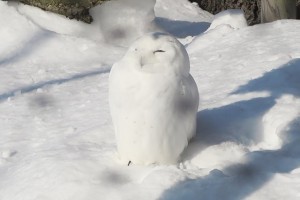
(153, 100)
(233, 17)
(57, 139)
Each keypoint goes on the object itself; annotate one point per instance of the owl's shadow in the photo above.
(239, 122)
(181, 29)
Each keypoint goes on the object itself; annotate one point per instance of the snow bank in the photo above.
(118, 22)
(59, 24)
(223, 23)
(18, 31)
(232, 17)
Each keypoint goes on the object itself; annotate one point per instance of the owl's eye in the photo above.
(158, 51)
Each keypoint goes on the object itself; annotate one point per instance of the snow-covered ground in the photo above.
(56, 136)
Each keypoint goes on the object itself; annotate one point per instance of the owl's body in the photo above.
(153, 101)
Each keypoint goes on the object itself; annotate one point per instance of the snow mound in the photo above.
(232, 17)
(208, 38)
(223, 24)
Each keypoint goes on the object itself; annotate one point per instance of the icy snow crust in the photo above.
(57, 140)
(154, 100)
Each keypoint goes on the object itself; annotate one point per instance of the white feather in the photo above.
(153, 100)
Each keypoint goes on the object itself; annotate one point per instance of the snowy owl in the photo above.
(153, 101)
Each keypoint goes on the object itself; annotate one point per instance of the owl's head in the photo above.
(158, 52)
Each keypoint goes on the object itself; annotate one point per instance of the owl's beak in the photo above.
(149, 58)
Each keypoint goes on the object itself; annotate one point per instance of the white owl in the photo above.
(153, 101)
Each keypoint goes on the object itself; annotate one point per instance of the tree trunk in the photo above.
(298, 9)
(251, 8)
(272, 10)
(73, 9)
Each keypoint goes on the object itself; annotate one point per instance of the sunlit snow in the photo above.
(57, 140)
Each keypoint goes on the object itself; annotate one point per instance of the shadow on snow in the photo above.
(33, 87)
(182, 29)
(241, 122)
(284, 80)
(28, 48)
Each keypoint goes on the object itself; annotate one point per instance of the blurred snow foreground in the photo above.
(57, 140)
(123, 21)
